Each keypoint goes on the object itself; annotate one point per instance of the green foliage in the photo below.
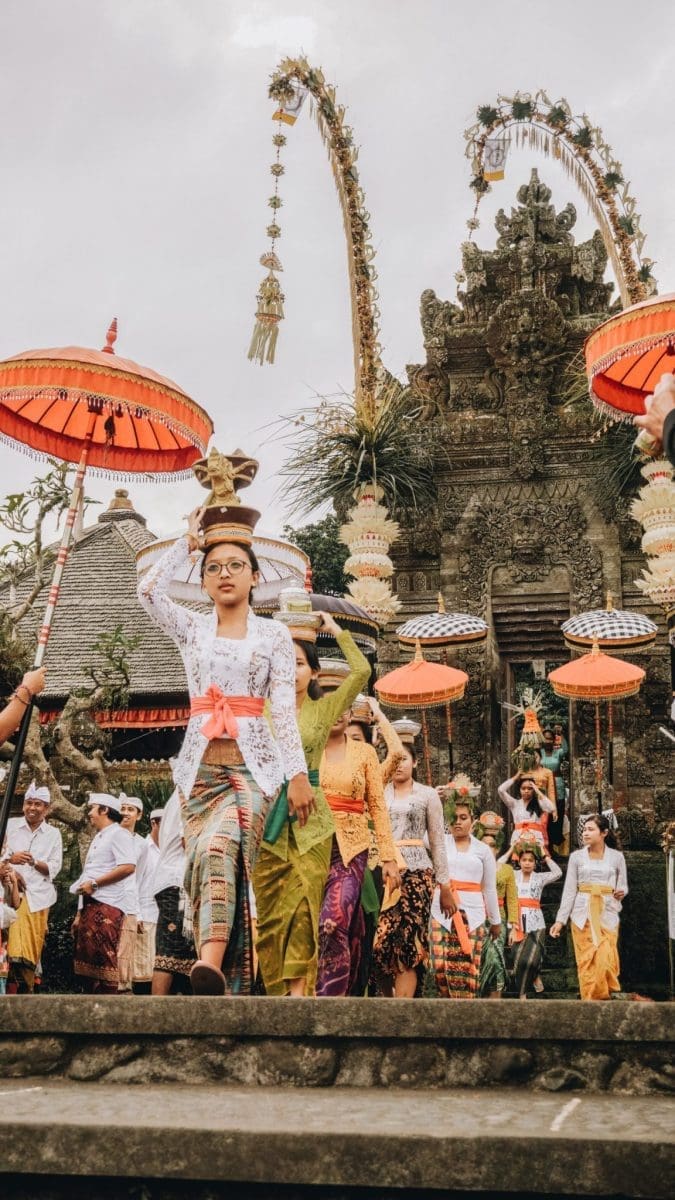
(487, 115)
(645, 274)
(15, 656)
(626, 223)
(113, 674)
(612, 179)
(336, 447)
(479, 185)
(557, 116)
(583, 137)
(522, 110)
(327, 554)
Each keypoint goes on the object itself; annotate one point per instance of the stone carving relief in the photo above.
(528, 538)
(525, 338)
(430, 385)
(484, 393)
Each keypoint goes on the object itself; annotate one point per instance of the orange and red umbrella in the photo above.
(422, 684)
(627, 355)
(595, 677)
(94, 409)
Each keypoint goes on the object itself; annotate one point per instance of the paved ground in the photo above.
(482, 1140)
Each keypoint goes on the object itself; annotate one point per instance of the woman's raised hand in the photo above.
(193, 529)
(329, 625)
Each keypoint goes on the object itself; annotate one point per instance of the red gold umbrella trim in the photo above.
(627, 355)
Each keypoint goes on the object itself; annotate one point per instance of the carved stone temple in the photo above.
(530, 527)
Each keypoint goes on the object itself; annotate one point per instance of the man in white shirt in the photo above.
(102, 891)
(35, 850)
(131, 808)
(175, 954)
(146, 867)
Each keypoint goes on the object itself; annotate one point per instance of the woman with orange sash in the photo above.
(536, 871)
(457, 940)
(530, 808)
(351, 778)
(292, 867)
(595, 885)
(231, 765)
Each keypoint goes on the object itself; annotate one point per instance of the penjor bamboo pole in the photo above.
(45, 629)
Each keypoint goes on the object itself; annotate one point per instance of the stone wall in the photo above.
(618, 1047)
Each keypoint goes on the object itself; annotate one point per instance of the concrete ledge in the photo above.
(458, 1141)
(554, 1047)
(263, 1016)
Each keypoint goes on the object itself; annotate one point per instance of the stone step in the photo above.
(615, 1047)
(382, 1138)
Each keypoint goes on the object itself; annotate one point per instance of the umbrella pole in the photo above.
(598, 757)
(610, 742)
(448, 723)
(427, 756)
(43, 637)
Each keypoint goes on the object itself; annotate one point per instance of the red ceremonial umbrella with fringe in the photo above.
(422, 684)
(442, 629)
(595, 677)
(97, 410)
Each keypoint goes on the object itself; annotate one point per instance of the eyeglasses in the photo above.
(233, 566)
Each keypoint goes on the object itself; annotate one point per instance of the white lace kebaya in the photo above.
(260, 664)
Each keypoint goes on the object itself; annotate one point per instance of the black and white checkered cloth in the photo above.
(443, 627)
(612, 625)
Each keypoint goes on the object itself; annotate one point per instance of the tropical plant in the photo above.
(334, 448)
(327, 554)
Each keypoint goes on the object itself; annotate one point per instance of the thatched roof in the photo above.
(98, 593)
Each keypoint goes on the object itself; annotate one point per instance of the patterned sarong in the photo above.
(25, 943)
(125, 953)
(341, 925)
(97, 940)
(144, 952)
(456, 973)
(493, 972)
(402, 938)
(174, 953)
(224, 818)
(527, 959)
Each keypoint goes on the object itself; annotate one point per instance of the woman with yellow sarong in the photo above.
(291, 871)
(595, 885)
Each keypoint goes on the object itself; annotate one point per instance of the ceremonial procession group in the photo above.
(293, 858)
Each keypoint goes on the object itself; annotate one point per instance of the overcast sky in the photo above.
(135, 151)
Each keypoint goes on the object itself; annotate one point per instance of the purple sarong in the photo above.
(341, 925)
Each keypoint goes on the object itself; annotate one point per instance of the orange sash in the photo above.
(539, 825)
(462, 885)
(345, 804)
(224, 711)
(525, 902)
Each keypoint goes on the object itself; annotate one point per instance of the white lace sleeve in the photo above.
(153, 593)
(436, 835)
(504, 794)
(282, 704)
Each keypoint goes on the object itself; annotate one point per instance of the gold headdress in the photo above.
(224, 518)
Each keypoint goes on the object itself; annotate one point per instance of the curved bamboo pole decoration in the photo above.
(582, 151)
(293, 74)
